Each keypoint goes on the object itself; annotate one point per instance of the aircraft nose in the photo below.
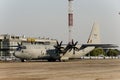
(17, 54)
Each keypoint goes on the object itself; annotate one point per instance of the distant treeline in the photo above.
(104, 52)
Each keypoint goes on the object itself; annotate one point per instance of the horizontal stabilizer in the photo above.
(104, 46)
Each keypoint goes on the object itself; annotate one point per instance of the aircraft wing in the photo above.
(104, 46)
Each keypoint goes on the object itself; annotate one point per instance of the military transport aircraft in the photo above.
(59, 51)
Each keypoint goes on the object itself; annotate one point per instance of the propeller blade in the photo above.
(72, 42)
(77, 49)
(60, 43)
(18, 44)
(57, 43)
(73, 51)
(70, 49)
(76, 43)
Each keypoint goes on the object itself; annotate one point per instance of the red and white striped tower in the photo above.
(70, 19)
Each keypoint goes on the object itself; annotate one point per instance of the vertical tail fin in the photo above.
(94, 37)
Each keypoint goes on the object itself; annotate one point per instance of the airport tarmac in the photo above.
(108, 69)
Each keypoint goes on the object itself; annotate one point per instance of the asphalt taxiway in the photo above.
(108, 69)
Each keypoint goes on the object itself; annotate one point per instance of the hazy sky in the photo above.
(48, 18)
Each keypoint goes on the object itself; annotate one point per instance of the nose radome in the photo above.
(17, 54)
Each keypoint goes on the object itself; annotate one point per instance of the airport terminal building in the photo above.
(7, 43)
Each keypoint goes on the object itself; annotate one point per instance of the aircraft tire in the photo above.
(51, 60)
(22, 60)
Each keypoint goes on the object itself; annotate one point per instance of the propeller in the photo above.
(72, 45)
(19, 47)
(58, 46)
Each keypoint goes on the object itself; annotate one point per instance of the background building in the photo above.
(8, 41)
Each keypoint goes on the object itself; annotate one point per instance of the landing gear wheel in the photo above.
(22, 60)
(51, 60)
(59, 60)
